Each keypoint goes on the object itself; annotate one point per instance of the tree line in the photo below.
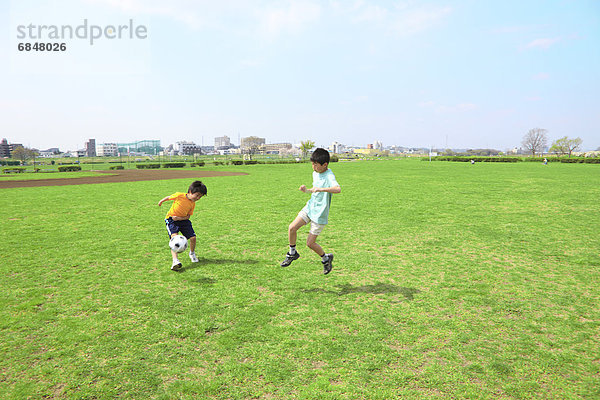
(536, 140)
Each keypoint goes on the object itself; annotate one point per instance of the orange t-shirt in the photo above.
(182, 206)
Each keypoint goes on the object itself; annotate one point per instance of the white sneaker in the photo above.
(193, 257)
(176, 265)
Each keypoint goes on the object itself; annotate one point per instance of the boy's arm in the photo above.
(333, 189)
(163, 200)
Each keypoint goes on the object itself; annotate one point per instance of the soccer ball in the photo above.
(178, 243)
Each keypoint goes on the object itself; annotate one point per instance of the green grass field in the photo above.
(450, 280)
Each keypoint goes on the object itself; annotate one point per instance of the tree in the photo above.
(23, 154)
(306, 146)
(251, 145)
(535, 140)
(564, 146)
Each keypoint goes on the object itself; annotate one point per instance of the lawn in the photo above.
(53, 175)
(450, 280)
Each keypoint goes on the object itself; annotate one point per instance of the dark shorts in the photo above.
(185, 227)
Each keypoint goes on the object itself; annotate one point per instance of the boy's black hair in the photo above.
(320, 156)
(197, 186)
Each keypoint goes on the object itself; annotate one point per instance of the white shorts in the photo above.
(315, 229)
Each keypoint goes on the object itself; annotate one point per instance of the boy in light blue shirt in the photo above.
(316, 210)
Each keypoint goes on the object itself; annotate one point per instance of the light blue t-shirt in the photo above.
(318, 205)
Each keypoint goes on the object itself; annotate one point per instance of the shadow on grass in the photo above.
(205, 281)
(378, 288)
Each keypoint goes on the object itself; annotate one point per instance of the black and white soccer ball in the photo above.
(178, 243)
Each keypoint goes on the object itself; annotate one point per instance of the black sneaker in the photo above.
(176, 266)
(289, 258)
(328, 265)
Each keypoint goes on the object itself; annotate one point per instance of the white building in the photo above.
(184, 148)
(222, 142)
(107, 150)
(227, 152)
(377, 145)
(337, 148)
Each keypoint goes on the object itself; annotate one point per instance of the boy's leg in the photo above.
(311, 242)
(173, 254)
(326, 259)
(192, 242)
(293, 229)
(176, 266)
(296, 224)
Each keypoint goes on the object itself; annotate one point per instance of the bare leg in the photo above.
(311, 242)
(173, 254)
(293, 229)
(192, 244)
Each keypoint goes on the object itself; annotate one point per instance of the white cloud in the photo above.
(543, 43)
(195, 14)
(404, 18)
(371, 13)
(292, 18)
(412, 21)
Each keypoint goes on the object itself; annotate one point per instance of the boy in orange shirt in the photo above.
(178, 218)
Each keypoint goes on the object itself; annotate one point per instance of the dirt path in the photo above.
(126, 175)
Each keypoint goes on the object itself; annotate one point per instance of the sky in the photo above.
(444, 74)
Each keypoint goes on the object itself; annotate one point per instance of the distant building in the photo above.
(274, 148)
(142, 147)
(251, 141)
(90, 148)
(230, 151)
(107, 150)
(371, 152)
(13, 146)
(377, 145)
(4, 149)
(52, 152)
(187, 148)
(222, 142)
(370, 146)
(337, 148)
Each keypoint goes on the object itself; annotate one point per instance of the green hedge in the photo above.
(17, 170)
(174, 165)
(580, 160)
(69, 168)
(116, 167)
(9, 162)
(541, 159)
(197, 164)
(147, 166)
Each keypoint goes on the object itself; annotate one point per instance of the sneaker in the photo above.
(289, 258)
(176, 265)
(328, 265)
(193, 257)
